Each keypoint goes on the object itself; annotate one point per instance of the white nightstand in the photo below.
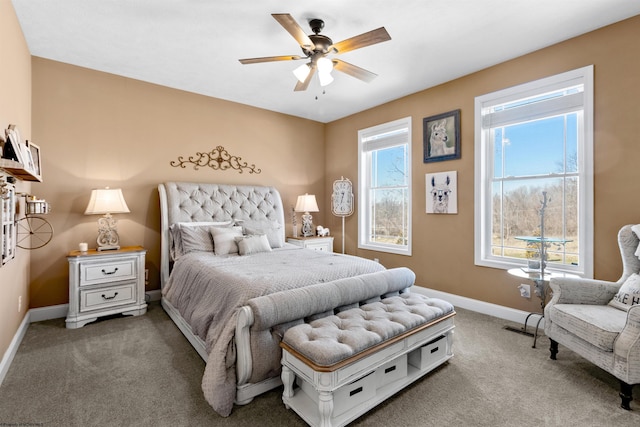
(105, 283)
(313, 242)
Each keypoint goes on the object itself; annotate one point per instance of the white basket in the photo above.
(37, 207)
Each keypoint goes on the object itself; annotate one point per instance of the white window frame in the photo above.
(364, 182)
(483, 167)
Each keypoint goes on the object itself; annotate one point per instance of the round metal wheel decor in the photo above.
(33, 232)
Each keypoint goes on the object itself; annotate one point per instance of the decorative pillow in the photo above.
(196, 239)
(636, 230)
(253, 244)
(628, 294)
(224, 239)
(272, 229)
(190, 236)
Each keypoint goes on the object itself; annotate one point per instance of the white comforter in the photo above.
(207, 290)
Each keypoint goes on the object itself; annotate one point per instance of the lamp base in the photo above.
(108, 239)
(307, 225)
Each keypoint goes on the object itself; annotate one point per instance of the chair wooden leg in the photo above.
(553, 348)
(626, 395)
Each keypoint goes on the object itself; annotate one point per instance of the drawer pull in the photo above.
(107, 273)
(108, 298)
(356, 391)
(390, 369)
(433, 350)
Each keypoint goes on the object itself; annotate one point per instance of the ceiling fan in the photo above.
(317, 47)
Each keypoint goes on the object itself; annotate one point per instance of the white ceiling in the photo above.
(194, 45)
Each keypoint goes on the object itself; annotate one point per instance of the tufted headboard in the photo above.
(198, 202)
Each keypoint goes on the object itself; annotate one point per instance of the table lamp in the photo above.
(307, 203)
(107, 201)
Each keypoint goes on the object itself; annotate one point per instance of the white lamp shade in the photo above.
(106, 200)
(302, 72)
(325, 78)
(325, 65)
(307, 203)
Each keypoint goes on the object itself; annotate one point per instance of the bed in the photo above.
(206, 286)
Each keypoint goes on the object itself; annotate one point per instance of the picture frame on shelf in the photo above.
(35, 159)
(12, 149)
(441, 137)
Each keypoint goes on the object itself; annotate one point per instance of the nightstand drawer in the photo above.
(105, 272)
(107, 297)
(320, 246)
(324, 244)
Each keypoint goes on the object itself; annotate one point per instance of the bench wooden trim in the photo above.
(366, 352)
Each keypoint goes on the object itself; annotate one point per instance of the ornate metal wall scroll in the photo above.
(217, 159)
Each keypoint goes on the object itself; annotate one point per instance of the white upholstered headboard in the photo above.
(197, 202)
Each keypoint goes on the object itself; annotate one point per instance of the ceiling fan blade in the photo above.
(365, 39)
(353, 70)
(294, 29)
(300, 86)
(270, 59)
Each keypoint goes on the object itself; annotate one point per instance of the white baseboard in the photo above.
(13, 346)
(155, 295)
(488, 308)
(47, 313)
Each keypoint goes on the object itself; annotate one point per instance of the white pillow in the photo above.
(224, 239)
(628, 294)
(253, 244)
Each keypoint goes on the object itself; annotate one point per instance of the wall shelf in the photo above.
(17, 170)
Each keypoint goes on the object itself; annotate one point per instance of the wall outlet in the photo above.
(19, 303)
(146, 276)
(525, 290)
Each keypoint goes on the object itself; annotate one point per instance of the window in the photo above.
(384, 196)
(531, 140)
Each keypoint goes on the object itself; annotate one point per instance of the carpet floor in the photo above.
(141, 371)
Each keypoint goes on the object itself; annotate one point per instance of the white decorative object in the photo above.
(294, 222)
(83, 247)
(342, 201)
(7, 220)
(322, 232)
(105, 283)
(307, 203)
(107, 201)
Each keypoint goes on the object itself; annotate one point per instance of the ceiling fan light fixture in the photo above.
(325, 65)
(325, 78)
(302, 72)
(316, 47)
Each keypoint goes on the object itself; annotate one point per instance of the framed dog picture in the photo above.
(441, 137)
(442, 190)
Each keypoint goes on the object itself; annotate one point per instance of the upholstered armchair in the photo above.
(581, 317)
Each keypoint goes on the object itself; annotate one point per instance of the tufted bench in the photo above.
(345, 364)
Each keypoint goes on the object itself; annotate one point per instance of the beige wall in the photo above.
(15, 108)
(443, 255)
(97, 130)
